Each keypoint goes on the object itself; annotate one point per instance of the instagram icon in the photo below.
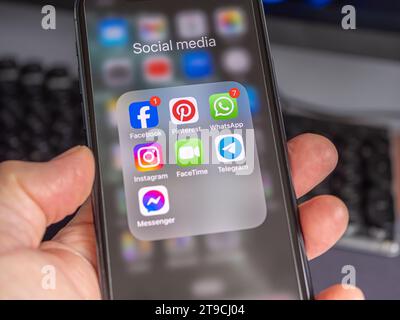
(148, 157)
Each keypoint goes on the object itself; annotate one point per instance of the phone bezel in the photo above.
(303, 273)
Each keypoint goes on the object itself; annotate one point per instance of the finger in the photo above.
(312, 158)
(75, 246)
(323, 221)
(78, 236)
(341, 292)
(35, 195)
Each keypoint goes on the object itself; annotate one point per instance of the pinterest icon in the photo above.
(184, 110)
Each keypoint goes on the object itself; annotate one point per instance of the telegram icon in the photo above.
(230, 148)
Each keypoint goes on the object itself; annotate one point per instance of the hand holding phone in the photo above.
(72, 255)
(193, 189)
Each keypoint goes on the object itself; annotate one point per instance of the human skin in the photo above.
(36, 195)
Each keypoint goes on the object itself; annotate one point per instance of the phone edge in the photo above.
(297, 241)
(304, 278)
(97, 202)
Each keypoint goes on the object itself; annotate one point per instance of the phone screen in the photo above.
(190, 179)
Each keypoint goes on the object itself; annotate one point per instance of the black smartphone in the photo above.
(193, 197)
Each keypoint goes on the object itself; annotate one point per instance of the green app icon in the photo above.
(223, 107)
(189, 152)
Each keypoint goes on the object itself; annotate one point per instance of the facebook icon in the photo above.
(143, 115)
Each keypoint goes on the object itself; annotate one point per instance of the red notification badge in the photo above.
(155, 101)
(234, 93)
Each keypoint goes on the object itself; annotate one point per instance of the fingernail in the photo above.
(68, 153)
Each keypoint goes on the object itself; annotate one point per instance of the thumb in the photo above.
(35, 195)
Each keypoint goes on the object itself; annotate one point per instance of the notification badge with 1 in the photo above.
(184, 110)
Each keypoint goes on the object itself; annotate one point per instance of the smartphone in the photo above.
(193, 197)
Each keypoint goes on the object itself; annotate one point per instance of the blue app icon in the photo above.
(273, 1)
(319, 3)
(143, 115)
(197, 65)
(253, 99)
(230, 148)
(114, 32)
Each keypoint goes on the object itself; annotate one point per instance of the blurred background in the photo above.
(339, 83)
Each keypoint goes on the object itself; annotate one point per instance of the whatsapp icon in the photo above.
(223, 107)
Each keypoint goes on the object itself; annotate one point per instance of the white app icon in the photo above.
(192, 24)
(153, 201)
(237, 60)
(230, 148)
(184, 110)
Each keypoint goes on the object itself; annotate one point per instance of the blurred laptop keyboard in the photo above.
(40, 114)
(363, 179)
(41, 117)
(40, 111)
